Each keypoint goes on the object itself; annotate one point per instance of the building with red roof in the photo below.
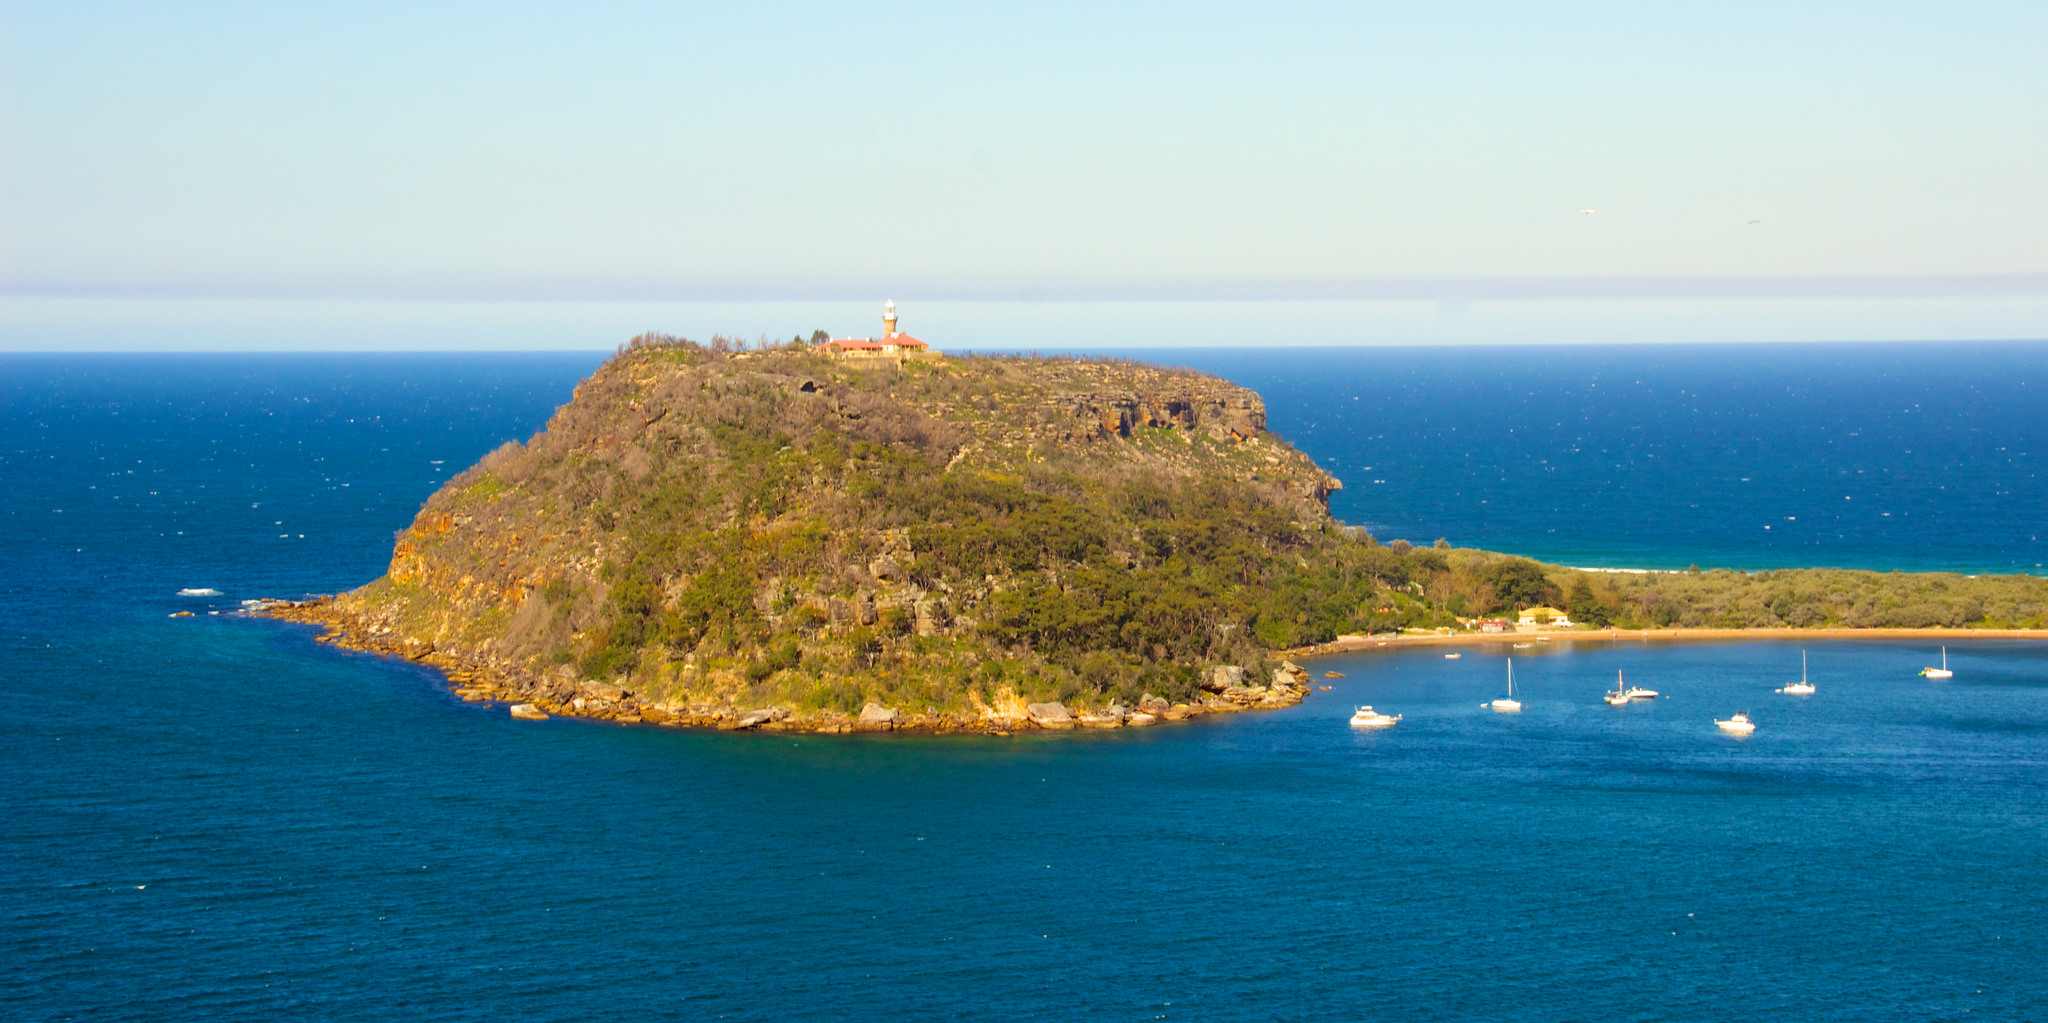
(893, 344)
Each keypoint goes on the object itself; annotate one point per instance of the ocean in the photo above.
(214, 817)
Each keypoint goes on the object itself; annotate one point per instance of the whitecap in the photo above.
(203, 591)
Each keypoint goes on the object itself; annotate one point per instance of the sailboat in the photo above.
(1941, 672)
(1619, 697)
(1801, 687)
(1508, 704)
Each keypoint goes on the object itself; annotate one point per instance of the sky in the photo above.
(1428, 173)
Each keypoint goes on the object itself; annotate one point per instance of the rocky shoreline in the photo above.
(1225, 689)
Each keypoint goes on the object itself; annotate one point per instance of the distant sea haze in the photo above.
(1919, 457)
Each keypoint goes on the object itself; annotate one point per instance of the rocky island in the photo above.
(780, 539)
(783, 539)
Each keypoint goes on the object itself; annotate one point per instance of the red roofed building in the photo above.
(893, 344)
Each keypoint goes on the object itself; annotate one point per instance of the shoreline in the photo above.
(529, 698)
(1357, 644)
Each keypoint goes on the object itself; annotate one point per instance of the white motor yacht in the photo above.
(1740, 724)
(1801, 687)
(1636, 692)
(1941, 672)
(1366, 717)
(1508, 704)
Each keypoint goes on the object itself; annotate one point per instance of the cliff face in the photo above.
(700, 535)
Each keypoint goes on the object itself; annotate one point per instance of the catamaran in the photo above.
(1801, 687)
(1941, 672)
(1508, 704)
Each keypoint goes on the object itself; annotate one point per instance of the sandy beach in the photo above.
(1353, 644)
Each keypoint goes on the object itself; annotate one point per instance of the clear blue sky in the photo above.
(770, 152)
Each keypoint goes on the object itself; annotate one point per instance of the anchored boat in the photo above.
(1619, 697)
(1801, 687)
(1941, 672)
(1366, 717)
(1508, 704)
(1737, 723)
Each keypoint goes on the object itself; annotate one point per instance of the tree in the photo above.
(1518, 583)
(1583, 606)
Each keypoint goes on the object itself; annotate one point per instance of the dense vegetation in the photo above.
(710, 524)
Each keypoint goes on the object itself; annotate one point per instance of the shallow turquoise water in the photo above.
(214, 817)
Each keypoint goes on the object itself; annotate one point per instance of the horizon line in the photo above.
(1446, 290)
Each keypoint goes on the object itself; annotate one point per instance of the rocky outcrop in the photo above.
(528, 712)
(1049, 715)
(876, 718)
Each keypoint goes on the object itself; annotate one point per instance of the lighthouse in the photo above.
(893, 344)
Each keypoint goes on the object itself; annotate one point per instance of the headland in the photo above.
(797, 537)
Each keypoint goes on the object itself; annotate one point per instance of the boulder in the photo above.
(1109, 717)
(1049, 715)
(1244, 694)
(528, 712)
(876, 718)
(1177, 712)
(1222, 678)
(604, 690)
(885, 569)
(762, 716)
(1140, 719)
(1153, 705)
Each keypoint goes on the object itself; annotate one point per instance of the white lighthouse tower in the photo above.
(889, 319)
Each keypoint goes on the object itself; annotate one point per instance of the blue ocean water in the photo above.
(214, 817)
(1920, 457)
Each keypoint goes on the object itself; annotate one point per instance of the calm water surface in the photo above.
(212, 817)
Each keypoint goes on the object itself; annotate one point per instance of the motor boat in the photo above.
(1634, 692)
(1941, 672)
(1366, 717)
(1801, 687)
(1452, 657)
(1740, 724)
(1508, 704)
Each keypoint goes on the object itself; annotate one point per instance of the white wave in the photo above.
(202, 591)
